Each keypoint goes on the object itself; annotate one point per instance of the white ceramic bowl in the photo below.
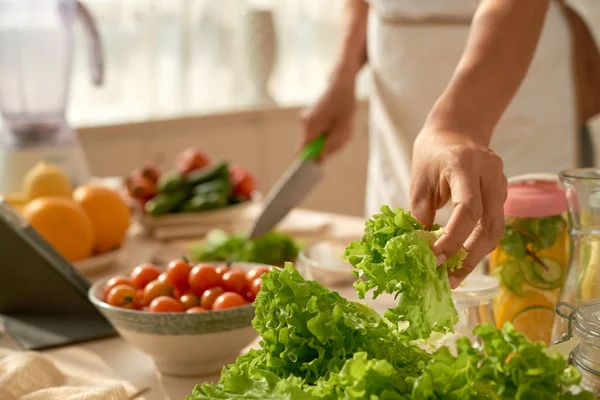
(181, 344)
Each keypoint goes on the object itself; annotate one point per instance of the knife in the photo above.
(291, 188)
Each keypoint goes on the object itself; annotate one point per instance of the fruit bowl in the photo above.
(183, 344)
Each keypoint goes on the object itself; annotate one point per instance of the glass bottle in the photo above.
(531, 260)
(582, 189)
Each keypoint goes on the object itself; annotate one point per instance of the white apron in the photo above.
(412, 64)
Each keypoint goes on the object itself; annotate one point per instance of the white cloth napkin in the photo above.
(31, 376)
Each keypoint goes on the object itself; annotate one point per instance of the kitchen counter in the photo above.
(115, 358)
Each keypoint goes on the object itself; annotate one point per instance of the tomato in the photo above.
(139, 299)
(255, 287)
(144, 274)
(156, 289)
(242, 180)
(121, 296)
(163, 277)
(150, 171)
(140, 187)
(208, 297)
(165, 304)
(191, 159)
(196, 310)
(221, 269)
(203, 277)
(228, 300)
(256, 272)
(178, 272)
(116, 281)
(234, 280)
(189, 301)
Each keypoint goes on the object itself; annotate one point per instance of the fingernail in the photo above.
(454, 282)
(440, 259)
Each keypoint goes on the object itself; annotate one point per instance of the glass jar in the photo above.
(474, 303)
(582, 284)
(583, 326)
(531, 260)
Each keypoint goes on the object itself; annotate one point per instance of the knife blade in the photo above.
(290, 189)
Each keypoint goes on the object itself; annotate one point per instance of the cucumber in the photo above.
(210, 173)
(536, 275)
(512, 277)
(203, 202)
(171, 183)
(165, 203)
(221, 186)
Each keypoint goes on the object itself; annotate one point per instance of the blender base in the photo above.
(16, 162)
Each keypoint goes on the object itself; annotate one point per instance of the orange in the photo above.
(535, 323)
(64, 224)
(108, 213)
(508, 304)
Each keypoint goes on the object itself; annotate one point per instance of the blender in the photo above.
(36, 49)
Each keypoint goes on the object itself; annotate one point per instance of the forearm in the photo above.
(502, 41)
(352, 55)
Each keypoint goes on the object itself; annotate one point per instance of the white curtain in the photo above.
(167, 58)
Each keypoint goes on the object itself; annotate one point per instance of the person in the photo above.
(447, 74)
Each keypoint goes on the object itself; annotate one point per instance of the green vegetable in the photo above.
(203, 202)
(523, 240)
(207, 174)
(171, 183)
(394, 256)
(273, 248)
(317, 345)
(165, 203)
(221, 187)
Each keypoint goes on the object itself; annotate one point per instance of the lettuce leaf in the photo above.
(394, 256)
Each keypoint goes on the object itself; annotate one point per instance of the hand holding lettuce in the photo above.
(317, 345)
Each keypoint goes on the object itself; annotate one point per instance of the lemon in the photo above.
(535, 322)
(46, 180)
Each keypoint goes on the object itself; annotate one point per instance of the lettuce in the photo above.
(394, 256)
(317, 345)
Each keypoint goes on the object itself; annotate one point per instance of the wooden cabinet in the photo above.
(264, 141)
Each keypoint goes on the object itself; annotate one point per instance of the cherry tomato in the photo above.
(256, 272)
(242, 180)
(163, 277)
(228, 300)
(178, 272)
(121, 296)
(150, 171)
(189, 301)
(165, 304)
(209, 296)
(156, 289)
(255, 287)
(139, 299)
(144, 274)
(221, 269)
(203, 277)
(116, 281)
(191, 159)
(234, 280)
(196, 310)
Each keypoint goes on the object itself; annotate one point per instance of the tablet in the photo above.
(43, 299)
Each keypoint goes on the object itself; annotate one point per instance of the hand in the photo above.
(333, 114)
(449, 165)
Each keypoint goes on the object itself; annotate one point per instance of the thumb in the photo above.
(421, 204)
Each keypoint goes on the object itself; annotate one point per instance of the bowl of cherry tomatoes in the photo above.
(191, 319)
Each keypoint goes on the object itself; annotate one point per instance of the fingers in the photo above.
(488, 231)
(314, 123)
(338, 136)
(468, 209)
(421, 202)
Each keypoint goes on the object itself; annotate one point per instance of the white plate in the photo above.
(96, 263)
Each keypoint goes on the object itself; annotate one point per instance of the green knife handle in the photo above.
(313, 150)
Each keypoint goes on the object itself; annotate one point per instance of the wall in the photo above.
(264, 141)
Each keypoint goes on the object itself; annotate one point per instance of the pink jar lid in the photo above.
(534, 199)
